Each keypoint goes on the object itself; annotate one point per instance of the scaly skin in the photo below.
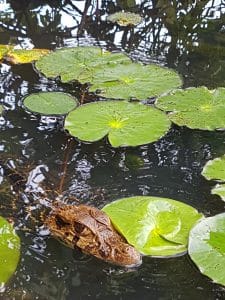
(90, 229)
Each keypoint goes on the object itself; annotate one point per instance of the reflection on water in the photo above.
(185, 35)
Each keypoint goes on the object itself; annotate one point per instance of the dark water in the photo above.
(188, 36)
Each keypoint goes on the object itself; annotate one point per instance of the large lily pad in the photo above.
(125, 123)
(155, 226)
(195, 107)
(125, 18)
(207, 247)
(50, 103)
(134, 81)
(9, 250)
(78, 63)
(215, 170)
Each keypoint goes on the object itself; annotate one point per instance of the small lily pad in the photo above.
(134, 81)
(215, 170)
(155, 226)
(78, 63)
(125, 123)
(207, 247)
(21, 56)
(9, 250)
(125, 18)
(50, 103)
(195, 107)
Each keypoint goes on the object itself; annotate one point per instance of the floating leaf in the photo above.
(50, 103)
(21, 56)
(78, 63)
(9, 250)
(219, 190)
(134, 81)
(215, 170)
(125, 123)
(125, 18)
(155, 226)
(195, 107)
(207, 247)
(4, 49)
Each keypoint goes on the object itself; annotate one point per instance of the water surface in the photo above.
(189, 38)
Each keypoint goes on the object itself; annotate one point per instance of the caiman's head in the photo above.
(90, 230)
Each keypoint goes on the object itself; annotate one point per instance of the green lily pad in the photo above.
(155, 226)
(207, 247)
(215, 170)
(125, 123)
(78, 63)
(9, 250)
(50, 103)
(125, 18)
(195, 107)
(219, 190)
(134, 81)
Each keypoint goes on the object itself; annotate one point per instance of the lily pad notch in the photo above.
(125, 123)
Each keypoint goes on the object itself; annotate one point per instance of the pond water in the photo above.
(188, 36)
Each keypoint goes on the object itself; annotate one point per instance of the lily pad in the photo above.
(20, 56)
(125, 18)
(134, 81)
(215, 170)
(3, 50)
(155, 226)
(9, 250)
(207, 247)
(50, 103)
(125, 123)
(78, 63)
(195, 107)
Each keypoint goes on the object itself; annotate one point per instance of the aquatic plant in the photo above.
(207, 247)
(9, 250)
(20, 56)
(125, 18)
(50, 103)
(155, 226)
(125, 123)
(215, 170)
(196, 108)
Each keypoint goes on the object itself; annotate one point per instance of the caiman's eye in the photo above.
(60, 222)
(78, 227)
